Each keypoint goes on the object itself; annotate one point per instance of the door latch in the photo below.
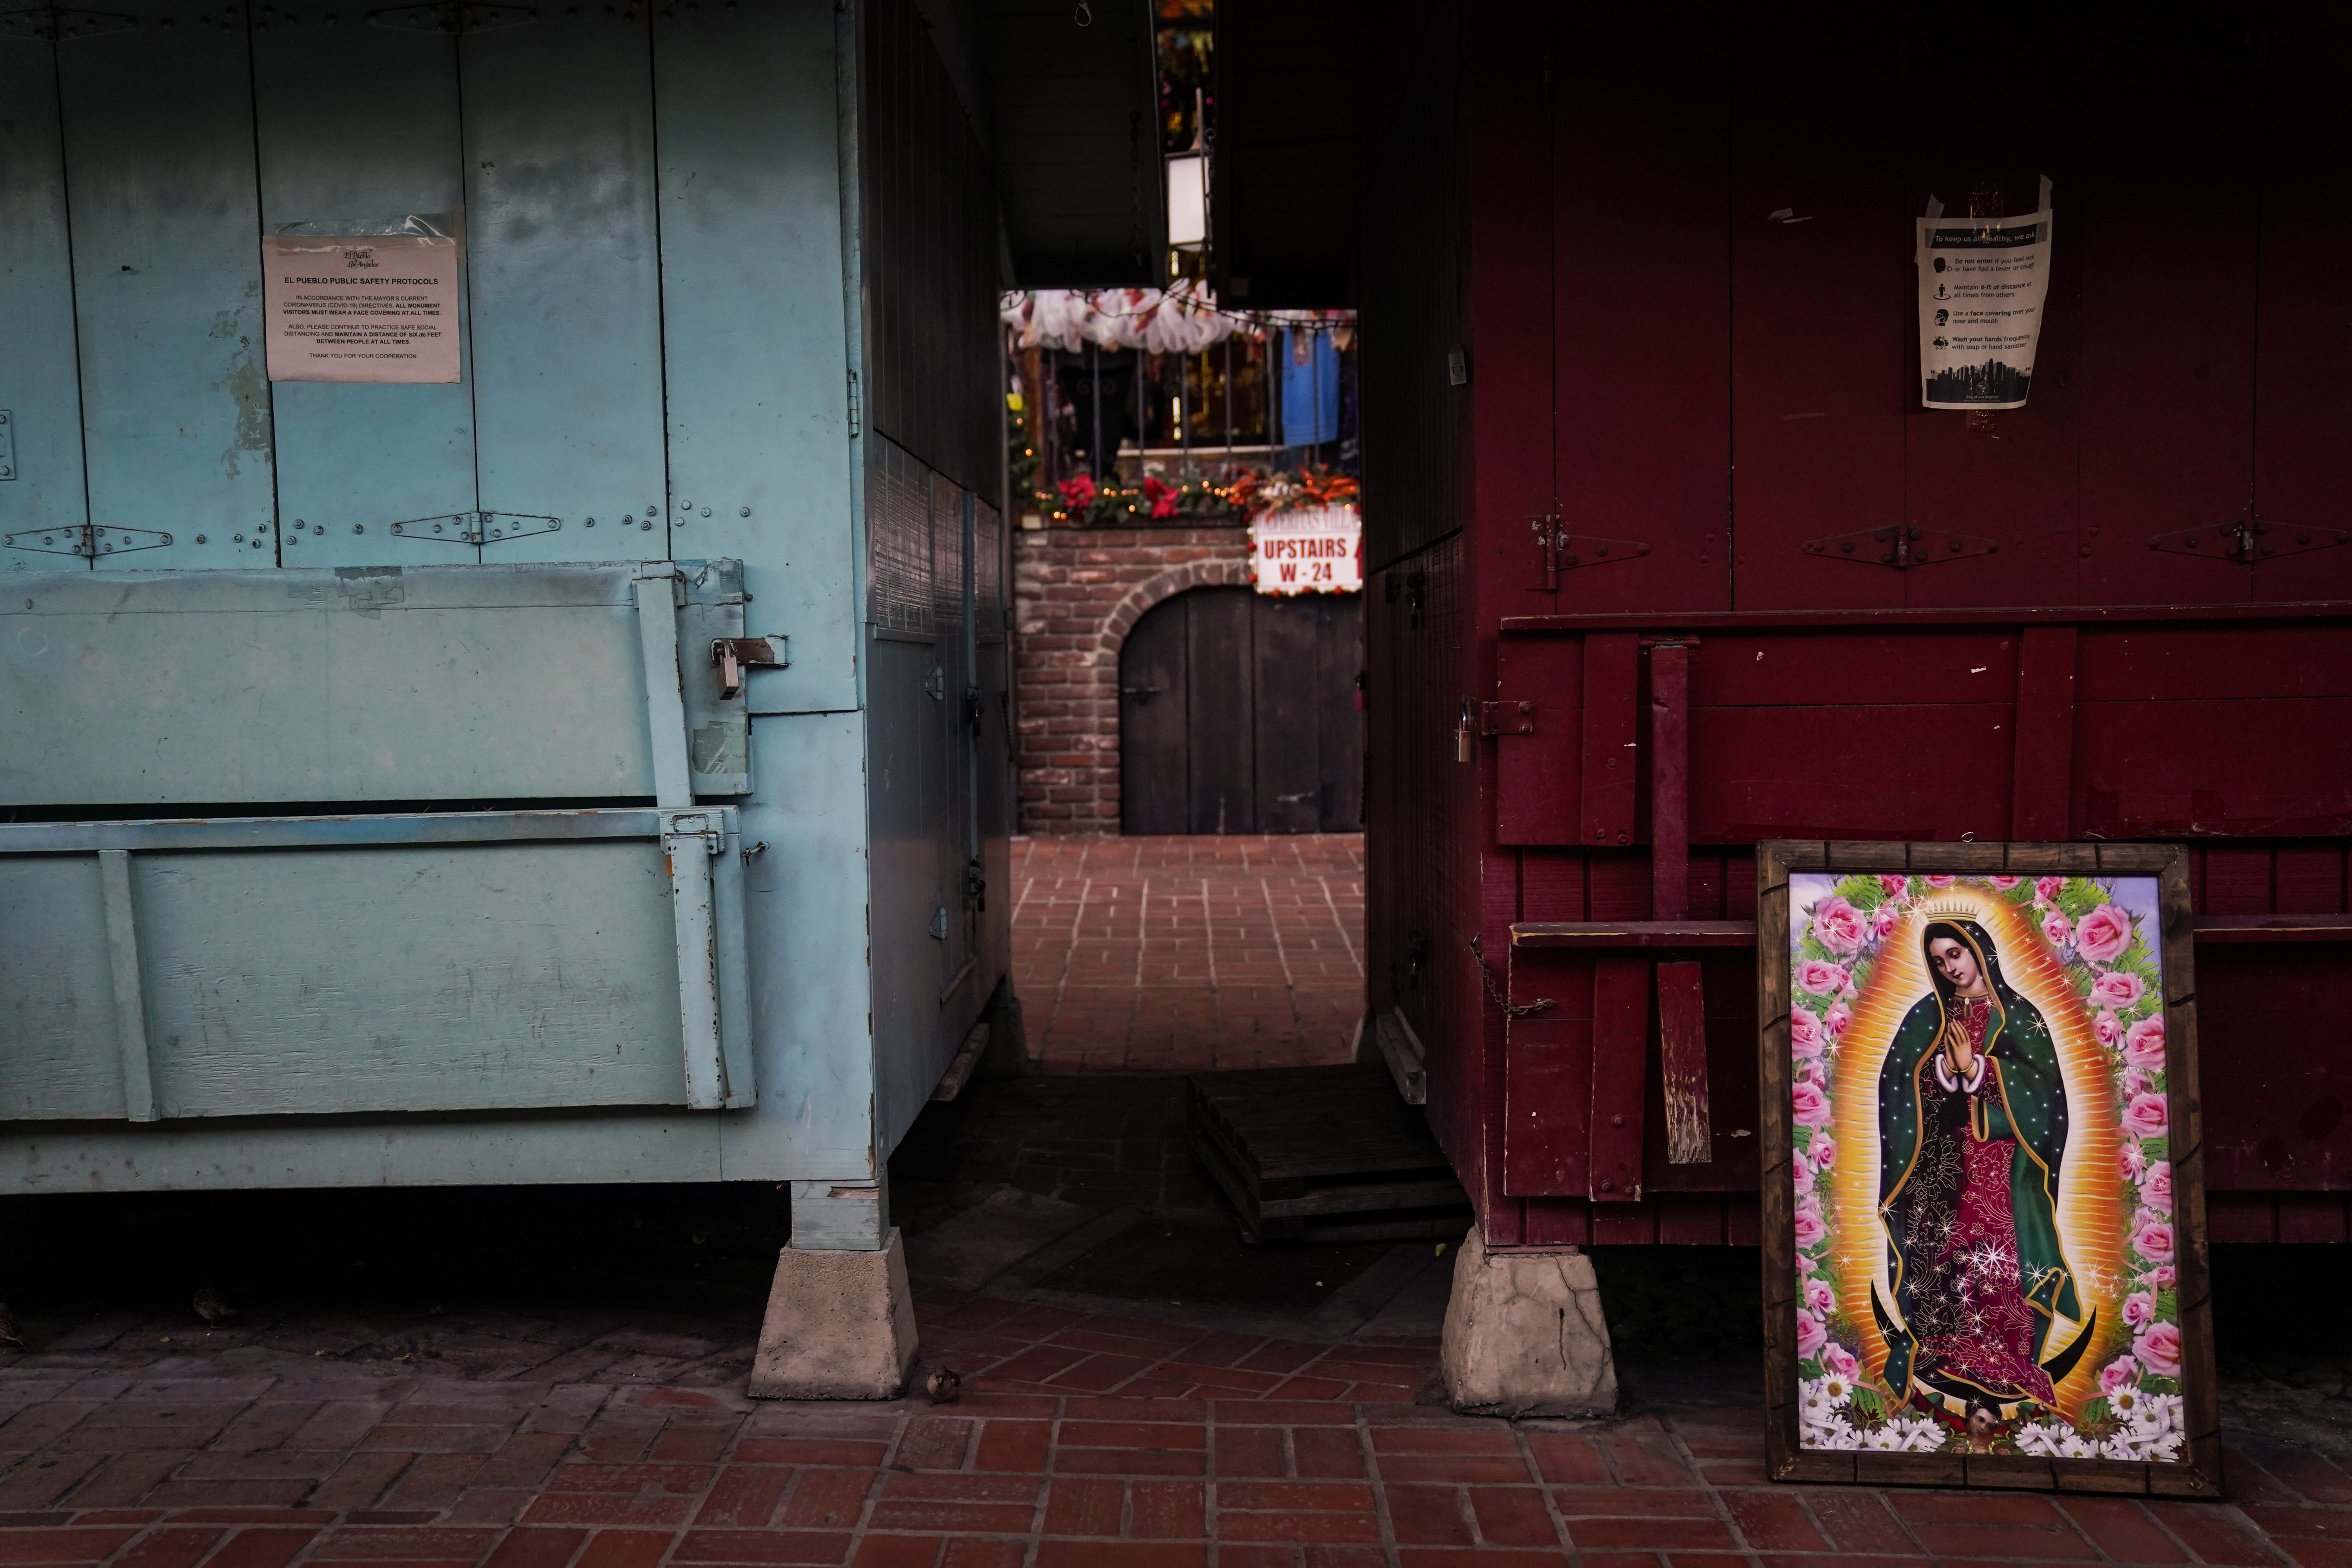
(1506, 719)
(733, 656)
(1561, 551)
(976, 883)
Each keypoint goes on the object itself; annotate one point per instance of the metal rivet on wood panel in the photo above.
(747, 511)
(359, 528)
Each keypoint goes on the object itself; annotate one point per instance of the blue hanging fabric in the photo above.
(1310, 388)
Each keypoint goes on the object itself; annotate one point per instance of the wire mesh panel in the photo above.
(899, 565)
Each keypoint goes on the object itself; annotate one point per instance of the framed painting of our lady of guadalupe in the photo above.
(1984, 1205)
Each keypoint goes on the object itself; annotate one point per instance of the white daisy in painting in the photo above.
(2075, 1445)
(1921, 1435)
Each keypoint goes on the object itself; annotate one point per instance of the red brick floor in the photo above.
(1165, 954)
(1207, 1451)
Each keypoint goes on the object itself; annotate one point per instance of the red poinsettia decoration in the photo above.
(1163, 496)
(1079, 493)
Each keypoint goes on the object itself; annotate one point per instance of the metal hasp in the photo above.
(475, 527)
(1561, 550)
(733, 656)
(1901, 547)
(87, 541)
(2249, 541)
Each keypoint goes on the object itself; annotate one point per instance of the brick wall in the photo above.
(1076, 594)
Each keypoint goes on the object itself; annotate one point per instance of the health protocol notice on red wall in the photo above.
(361, 308)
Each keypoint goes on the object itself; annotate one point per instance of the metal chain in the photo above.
(1495, 990)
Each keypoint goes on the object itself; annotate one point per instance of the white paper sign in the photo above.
(1982, 286)
(1318, 552)
(361, 307)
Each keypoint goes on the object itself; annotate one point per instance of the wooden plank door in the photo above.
(1237, 714)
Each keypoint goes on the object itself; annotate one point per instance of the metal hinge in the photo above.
(733, 656)
(975, 882)
(7, 445)
(1901, 546)
(86, 540)
(1506, 719)
(1561, 550)
(2249, 541)
(475, 527)
(854, 410)
(935, 685)
(454, 16)
(54, 23)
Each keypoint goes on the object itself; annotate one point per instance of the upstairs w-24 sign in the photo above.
(1317, 552)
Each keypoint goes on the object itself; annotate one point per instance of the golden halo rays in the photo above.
(2090, 1218)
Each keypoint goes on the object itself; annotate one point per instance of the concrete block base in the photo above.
(1525, 1335)
(840, 1325)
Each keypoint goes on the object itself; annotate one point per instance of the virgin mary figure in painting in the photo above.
(1973, 1130)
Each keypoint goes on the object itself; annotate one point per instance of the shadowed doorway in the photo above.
(1237, 714)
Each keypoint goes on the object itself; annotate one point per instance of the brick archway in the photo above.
(1077, 594)
(1167, 585)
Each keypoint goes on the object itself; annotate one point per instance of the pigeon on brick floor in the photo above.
(942, 1383)
(212, 1306)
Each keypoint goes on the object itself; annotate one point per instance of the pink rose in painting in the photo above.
(1801, 1169)
(2105, 932)
(2005, 883)
(2108, 1028)
(2159, 1349)
(2156, 1192)
(2163, 1277)
(1810, 1226)
(1882, 920)
(1837, 1019)
(1822, 1152)
(1818, 1297)
(2152, 1238)
(2139, 1309)
(2047, 888)
(1838, 925)
(2146, 1116)
(1896, 886)
(2144, 1047)
(1939, 883)
(1838, 1362)
(2116, 988)
(1822, 979)
(2117, 1373)
(1804, 1034)
(1807, 1105)
(2056, 930)
(1810, 1335)
(2135, 1079)
(2135, 1160)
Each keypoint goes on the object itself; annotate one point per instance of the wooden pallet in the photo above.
(1323, 1154)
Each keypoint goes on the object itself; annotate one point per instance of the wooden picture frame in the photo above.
(2101, 1118)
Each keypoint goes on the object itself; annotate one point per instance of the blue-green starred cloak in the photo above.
(1921, 1128)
